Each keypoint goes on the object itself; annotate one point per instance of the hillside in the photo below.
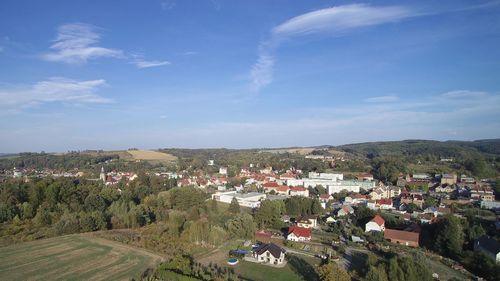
(447, 149)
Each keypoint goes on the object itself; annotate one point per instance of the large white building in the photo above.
(251, 200)
(334, 183)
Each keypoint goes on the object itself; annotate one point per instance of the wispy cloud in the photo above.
(335, 20)
(382, 99)
(56, 89)
(167, 5)
(464, 94)
(77, 43)
(147, 64)
(190, 53)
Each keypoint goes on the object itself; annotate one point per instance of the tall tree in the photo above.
(234, 206)
(449, 236)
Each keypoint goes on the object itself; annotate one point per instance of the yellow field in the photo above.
(151, 155)
(74, 257)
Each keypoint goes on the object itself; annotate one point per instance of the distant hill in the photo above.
(446, 149)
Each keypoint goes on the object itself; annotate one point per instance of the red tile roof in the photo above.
(270, 185)
(378, 220)
(401, 235)
(384, 201)
(299, 231)
(282, 188)
(298, 188)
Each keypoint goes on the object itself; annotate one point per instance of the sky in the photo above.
(78, 75)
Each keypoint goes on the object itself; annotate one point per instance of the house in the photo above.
(445, 189)
(307, 222)
(482, 193)
(299, 191)
(344, 211)
(358, 199)
(365, 177)
(325, 197)
(263, 236)
(488, 246)
(330, 219)
(223, 170)
(298, 234)
(383, 192)
(408, 198)
(384, 204)
(376, 224)
(269, 253)
(449, 179)
(407, 238)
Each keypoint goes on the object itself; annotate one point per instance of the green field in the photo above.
(73, 257)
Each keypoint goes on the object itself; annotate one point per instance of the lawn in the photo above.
(73, 257)
(297, 268)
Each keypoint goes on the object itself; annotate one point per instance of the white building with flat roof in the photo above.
(251, 200)
(326, 176)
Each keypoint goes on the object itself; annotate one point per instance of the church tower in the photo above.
(102, 176)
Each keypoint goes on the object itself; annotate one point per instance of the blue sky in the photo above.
(80, 75)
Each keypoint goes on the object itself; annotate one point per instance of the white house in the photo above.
(298, 234)
(269, 253)
(308, 222)
(223, 170)
(376, 224)
(299, 191)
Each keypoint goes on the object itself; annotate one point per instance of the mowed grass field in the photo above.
(151, 155)
(74, 257)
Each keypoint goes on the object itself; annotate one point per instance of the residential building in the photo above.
(376, 224)
(488, 246)
(299, 191)
(345, 210)
(365, 177)
(308, 222)
(223, 170)
(298, 234)
(449, 179)
(381, 192)
(269, 253)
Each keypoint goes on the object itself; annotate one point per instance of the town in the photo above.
(276, 216)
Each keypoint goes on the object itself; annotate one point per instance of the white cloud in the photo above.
(382, 99)
(167, 5)
(262, 71)
(76, 43)
(190, 53)
(147, 64)
(341, 18)
(334, 20)
(464, 94)
(55, 89)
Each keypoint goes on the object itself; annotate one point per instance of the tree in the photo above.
(395, 273)
(449, 236)
(234, 206)
(376, 273)
(241, 226)
(332, 272)
(269, 213)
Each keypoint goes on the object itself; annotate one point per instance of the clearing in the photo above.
(151, 155)
(74, 257)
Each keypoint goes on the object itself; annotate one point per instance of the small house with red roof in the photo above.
(298, 234)
(299, 191)
(376, 224)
